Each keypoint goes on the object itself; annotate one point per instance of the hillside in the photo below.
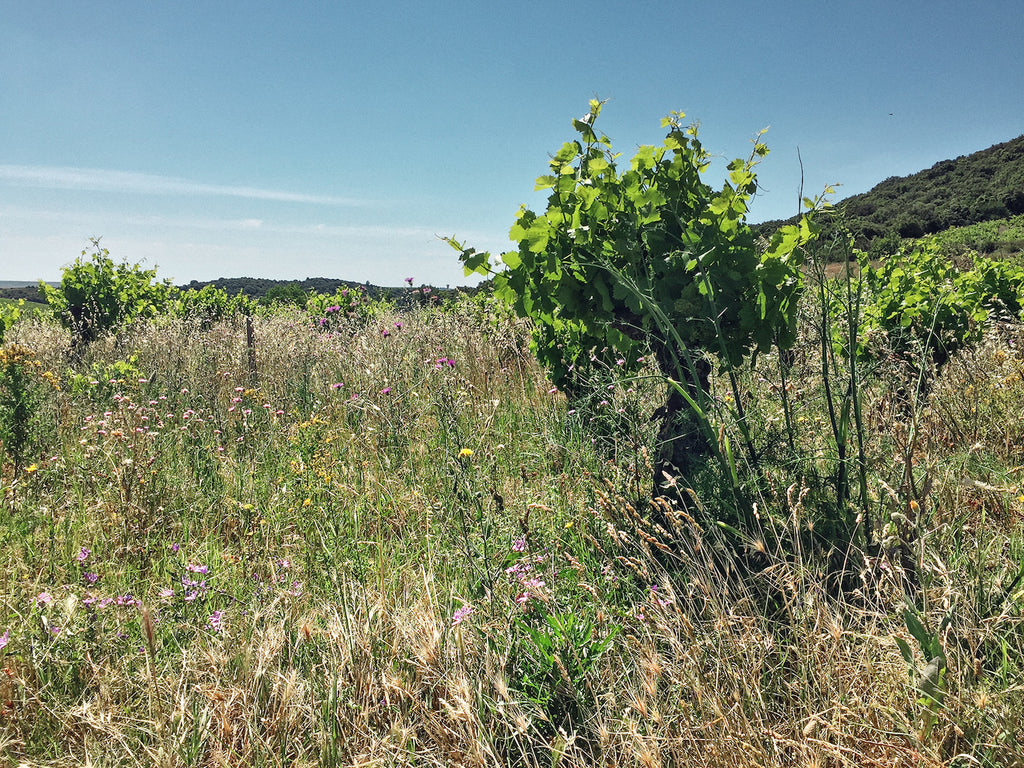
(971, 189)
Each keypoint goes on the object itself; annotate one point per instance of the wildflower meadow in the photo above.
(388, 540)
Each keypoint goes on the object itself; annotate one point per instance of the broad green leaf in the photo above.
(906, 652)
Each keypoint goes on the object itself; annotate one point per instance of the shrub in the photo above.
(97, 296)
(649, 260)
(209, 304)
(9, 314)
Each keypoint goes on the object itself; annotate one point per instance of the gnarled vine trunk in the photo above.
(683, 445)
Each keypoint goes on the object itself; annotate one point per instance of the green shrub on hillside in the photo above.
(925, 306)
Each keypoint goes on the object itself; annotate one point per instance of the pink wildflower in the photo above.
(461, 614)
(217, 621)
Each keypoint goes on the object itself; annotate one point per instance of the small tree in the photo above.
(97, 296)
(650, 260)
(286, 293)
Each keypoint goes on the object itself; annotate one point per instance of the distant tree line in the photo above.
(260, 287)
(264, 289)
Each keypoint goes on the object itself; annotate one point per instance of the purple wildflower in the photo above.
(461, 613)
(217, 621)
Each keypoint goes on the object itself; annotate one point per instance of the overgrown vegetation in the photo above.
(362, 535)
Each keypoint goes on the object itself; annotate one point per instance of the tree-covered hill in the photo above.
(979, 187)
(257, 287)
(26, 292)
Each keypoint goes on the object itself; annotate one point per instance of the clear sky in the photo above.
(297, 139)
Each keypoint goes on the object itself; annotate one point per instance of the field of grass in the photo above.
(396, 545)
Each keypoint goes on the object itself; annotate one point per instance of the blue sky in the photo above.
(336, 139)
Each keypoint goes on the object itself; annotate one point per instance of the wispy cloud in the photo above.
(120, 221)
(100, 180)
